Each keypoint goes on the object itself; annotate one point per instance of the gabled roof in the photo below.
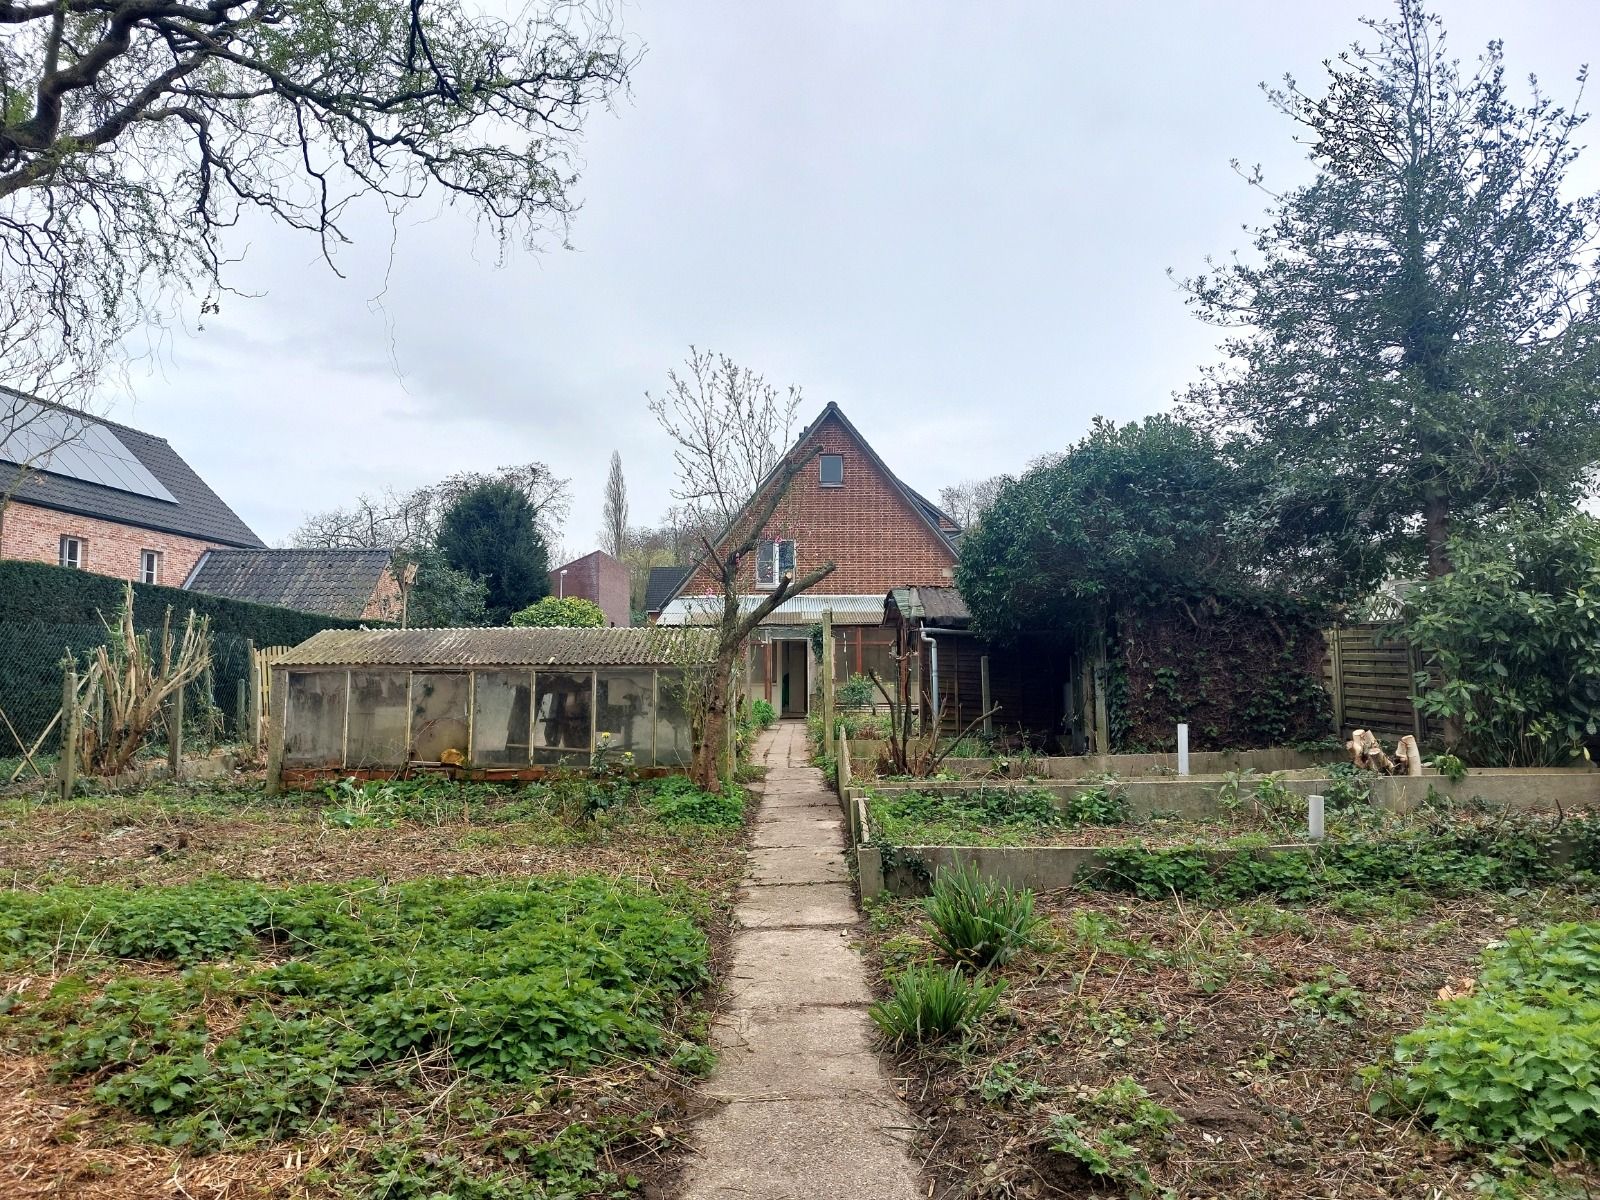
(662, 583)
(335, 583)
(194, 510)
(527, 646)
(942, 524)
(567, 566)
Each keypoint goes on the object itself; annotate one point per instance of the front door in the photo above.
(793, 659)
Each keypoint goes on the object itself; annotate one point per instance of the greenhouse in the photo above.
(481, 703)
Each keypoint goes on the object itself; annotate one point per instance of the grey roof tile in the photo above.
(335, 583)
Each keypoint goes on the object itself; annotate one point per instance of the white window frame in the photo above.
(149, 566)
(79, 552)
(770, 558)
(827, 483)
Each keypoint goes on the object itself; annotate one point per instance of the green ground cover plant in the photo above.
(1515, 1061)
(677, 801)
(315, 988)
(988, 816)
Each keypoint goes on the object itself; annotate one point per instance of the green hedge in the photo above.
(46, 611)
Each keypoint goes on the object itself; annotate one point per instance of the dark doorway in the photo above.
(793, 659)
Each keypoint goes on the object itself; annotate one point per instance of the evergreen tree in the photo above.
(489, 532)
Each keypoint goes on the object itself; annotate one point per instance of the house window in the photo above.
(72, 552)
(830, 470)
(149, 566)
(773, 558)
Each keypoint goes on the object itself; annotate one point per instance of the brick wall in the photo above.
(35, 534)
(598, 577)
(385, 602)
(867, 528)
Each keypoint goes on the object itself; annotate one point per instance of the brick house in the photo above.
(354, 584)
(99, 496)
(599, 577)
(847, 507)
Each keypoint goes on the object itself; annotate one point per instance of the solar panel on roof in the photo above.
(66, 443)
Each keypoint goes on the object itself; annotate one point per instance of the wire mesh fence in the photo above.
(32, 658)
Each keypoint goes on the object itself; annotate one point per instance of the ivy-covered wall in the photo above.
(47, 612)
(1245, 673)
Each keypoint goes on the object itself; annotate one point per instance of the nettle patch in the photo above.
(989, 816)
(240, 1014)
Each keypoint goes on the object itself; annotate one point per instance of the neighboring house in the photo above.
(658, 588)
(847, 507)
(599, 577)
(354, 584)
(99, 496)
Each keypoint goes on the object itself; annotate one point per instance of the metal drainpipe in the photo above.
(926, 635)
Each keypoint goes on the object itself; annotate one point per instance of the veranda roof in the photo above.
(805, 609)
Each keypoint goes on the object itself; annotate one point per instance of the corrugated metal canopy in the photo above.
(799, 610)
(515, 647)
(938, 606)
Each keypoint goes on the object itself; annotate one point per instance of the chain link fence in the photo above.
(32, 654)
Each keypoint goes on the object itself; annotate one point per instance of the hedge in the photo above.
(46, 611)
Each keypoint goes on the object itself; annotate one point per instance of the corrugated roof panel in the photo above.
(798, 610)
(505, 647)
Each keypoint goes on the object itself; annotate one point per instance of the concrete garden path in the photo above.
(809, 1110)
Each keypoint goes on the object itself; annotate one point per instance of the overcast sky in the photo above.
(954, 220)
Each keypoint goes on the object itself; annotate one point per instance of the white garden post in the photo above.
(1314, 817)
(1183, 749)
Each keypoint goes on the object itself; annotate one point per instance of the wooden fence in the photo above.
(1370, 671)
(260, 698)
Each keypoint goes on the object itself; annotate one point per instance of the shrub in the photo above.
(1517, 1060)
(569, 611)
(1515, 638)
(855, 692)
(929, 1005)
(763, 714)
(979, 922)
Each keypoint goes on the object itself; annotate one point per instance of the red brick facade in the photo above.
(867, 527)
(34, 534)
(599, 577)
(385, 602)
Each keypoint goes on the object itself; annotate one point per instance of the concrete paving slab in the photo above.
(793, 1054)
(802, 1150)
(783, 801)
(796, 904)
(800, 829)
(781, 968)
(798, 864)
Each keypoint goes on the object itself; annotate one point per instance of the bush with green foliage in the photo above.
(490, 531)
(979, 922)
(1515, 1062)
(572, 612)
(763, 714)
(927, 1004)
(1512, 637)
(335, 985)
(855, 692)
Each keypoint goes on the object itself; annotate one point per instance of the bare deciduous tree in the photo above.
(614, 536)
(966, 502)
(731, 434)
(135, 133)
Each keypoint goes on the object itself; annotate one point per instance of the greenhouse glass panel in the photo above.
(313, 728)
(377, 719)
(674, 747)
(563, 712)
(500, 711)
(625, 708)
(439, 716)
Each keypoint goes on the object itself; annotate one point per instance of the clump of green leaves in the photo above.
(1112, 1131)
(1003, 1083)
(979, 922)
(763, 714)
(1515, 1061)
(989, 815)
(928, 1005)
(677, 801)
(1329, 996)
(507, 981)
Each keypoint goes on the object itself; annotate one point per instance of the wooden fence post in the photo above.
(1336, 658)
(1102, 719)
(828, 742)
(241, 708)
(67, 763)
(175, 734)
(257, 686)
(275, 734)
(983, 688)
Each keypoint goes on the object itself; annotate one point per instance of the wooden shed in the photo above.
(479, 703)
(1030, 681)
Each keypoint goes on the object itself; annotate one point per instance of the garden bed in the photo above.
(379, 990)
(1214, 1049)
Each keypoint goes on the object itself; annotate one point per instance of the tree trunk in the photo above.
(706, 767)
(1436, 532)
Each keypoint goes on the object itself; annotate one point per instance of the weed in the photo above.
(929, 1005)
(1112, 1131)
(1329, 997)
(1004, 1084)
(979, 922)
(677, 801)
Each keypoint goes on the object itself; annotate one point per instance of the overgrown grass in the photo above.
(286, 997)
(927, 1004)
(988, 816)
